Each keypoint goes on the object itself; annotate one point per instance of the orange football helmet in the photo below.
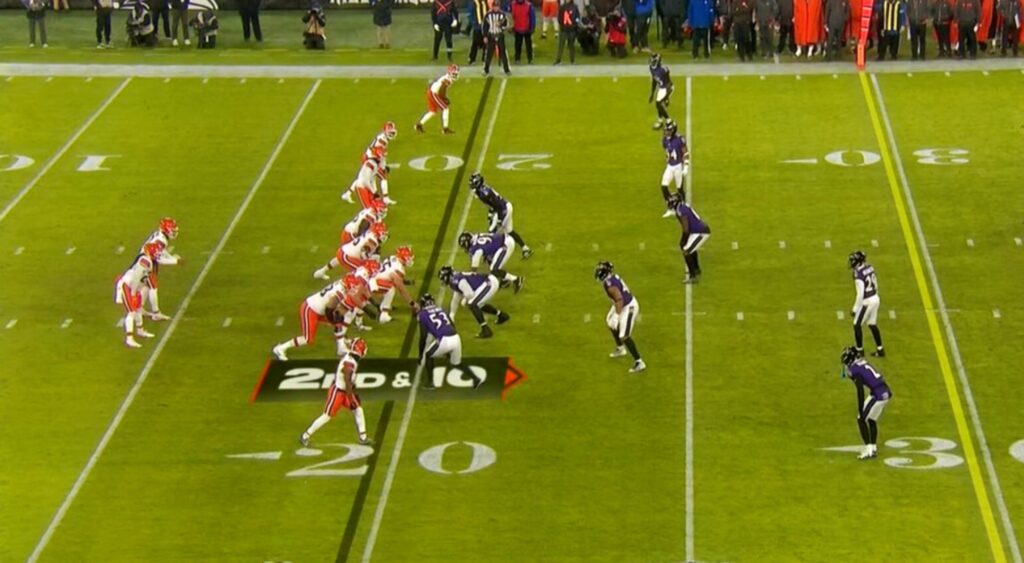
(404, 255)
(169, 227)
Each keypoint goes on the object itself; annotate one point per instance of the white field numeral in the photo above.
(942, 157)
(432, 458)
(353, 452)
(522, 162)
(936, 450)
(428, 163)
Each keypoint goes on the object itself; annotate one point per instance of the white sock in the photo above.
(360, 421)
(138, 319)
(154, 300)
(426, 117)
(297, 341)
(129, 324)
(317, 424)
(444, 118)
(510, 278)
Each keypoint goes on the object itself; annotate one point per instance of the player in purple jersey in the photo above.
(622, 315)
(865, 307)
(661, 89)
(677, 163)
(438, 338)
(475, 290)
(869, 407)
(499, 214)
(494, 250)
(695, 234)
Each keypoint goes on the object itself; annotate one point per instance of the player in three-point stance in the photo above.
(128, 292)
(695, 234)
(437, 99)
(494, 250)
(352, 254)
(500, 212)
(343, 395)
(677, 163)
(438, 338)
(391, 280)
(361, 223)
(167, 232)
(381, 142)
(661, 89)
(865, 308)
(317, 308)
(870, 407)
(622, 315)
(474, 290)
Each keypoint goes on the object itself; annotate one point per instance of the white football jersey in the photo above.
(362, 247)
(165, 257)
(318, 301)
(135, 276)
(352, 227)
(389, 268)
(339, 375)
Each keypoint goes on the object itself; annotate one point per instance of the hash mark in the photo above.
(984, 73)
(393, 80)
(206, 80)
(933, 245)
(9, 78)
(595, 247)
(356, 81)
(798, 77)
(166, 80)
(643, 246)
(782, 244)
(10, 324)
(536, 318)
(314, 248)
(577, 79)
(735, 245)
(265, 250)
(947, 73)
(615, 79)
(227, 322)
(66, 323)
(548, 247)
(88, 79)
(970, 242)
(69, 251)
(739, 316)
(725, 77)
(892, 314)
(19, 250)
(790, 315)
(279, 321)
(874, 243)
(910, 75)
(762, 77)
(541, 79)
(828, 244)
(119, 250)
(840, 315)
(586, 318)
(995, 313)
(1018, 241)
(280, 80)
(242, 81)
(49, 79)
(835, 75)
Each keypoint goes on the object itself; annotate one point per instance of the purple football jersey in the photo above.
(863, 373)
(675, 149)
(866, 274)
(436, 322)
(488, 244)
(474, 280)
(693, 222)
(659, 75)
(615, 281)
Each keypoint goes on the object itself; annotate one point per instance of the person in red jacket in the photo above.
(523, 21)
(807, 25)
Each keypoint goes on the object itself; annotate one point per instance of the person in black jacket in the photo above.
(786, 38)
(179, 16)
(161, 10)
(479, 12)
(382, 20)
(36, 14)
(250, 12)
(942, 19)
(495, 24)
(766, 13)
(568, 23)
(742, 20)
(206, 25)
(1010, 11)
(917, 25)
(967, 18)
(836, 12)
(672, 12)
(445, 17)
(315, 35)
(104, 9)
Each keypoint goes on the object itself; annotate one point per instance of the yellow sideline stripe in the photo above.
(980, 489)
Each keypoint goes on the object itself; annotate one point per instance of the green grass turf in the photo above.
(590, 460)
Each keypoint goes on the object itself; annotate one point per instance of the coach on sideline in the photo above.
(495, 24)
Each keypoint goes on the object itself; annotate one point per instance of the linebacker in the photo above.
(499, 212)
(622, 315)
(438, 338)
(475, 290)
(661, 89)
(869, 408)
(677, 163)
(865, 307)
(695, 234)
(494, 250)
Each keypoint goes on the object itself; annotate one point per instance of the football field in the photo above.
(738, 443)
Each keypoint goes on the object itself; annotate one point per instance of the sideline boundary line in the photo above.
(954, 347)
(63, 149)
(689, 344)
(427, 71)
(180, 314)
(966, 440)
(407, 415)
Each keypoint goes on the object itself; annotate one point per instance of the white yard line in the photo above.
(689, 344)
(60, 152)
(403, 428)
(972, 408)
(130, 397)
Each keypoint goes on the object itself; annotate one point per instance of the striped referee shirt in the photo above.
(495, 23)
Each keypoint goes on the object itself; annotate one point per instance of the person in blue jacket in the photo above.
(700, 15)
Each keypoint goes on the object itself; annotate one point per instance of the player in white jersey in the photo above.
(371, 181)
(128, 292)
(363, 220)
(437, 99)
(391, 280)
(319, 307)
(382, 140)
(343, 394)
(167, 232)
(352, 254)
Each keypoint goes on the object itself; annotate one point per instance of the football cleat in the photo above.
(347, 196)
(503, 318)
(857, 258)
(447, 131)
(518, 284)
(880, 353)
(384, 318)
(692, 279)
(465, 240)
(485, 332)
(389, 201)
(527, 252)
(278, 352)
(144, 333)
(321, 274)
(603, 270)
(169, 227)
(158, 316)
(868, 452)
(670, 212)
(418, 127)
(445, 274)
(657, 125)
(638, 366)
(618, 352)
(131, 343)
(365, 440)
(390, 130)
(304, 440)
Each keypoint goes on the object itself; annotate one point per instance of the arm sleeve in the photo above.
(860, 294)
